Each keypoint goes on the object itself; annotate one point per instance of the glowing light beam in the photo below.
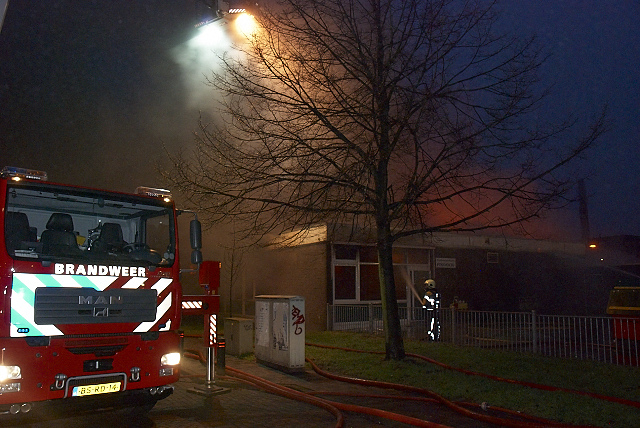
(246, 24)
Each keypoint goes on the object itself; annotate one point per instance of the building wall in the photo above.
(293, 271)
(522, 281)
(489, 273)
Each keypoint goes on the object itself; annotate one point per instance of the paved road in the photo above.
(243, 405)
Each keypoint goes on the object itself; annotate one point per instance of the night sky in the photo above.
(92, 91)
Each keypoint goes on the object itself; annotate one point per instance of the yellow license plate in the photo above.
(100, 388)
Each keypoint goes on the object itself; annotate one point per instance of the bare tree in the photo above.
(233, 258)
(402, 116)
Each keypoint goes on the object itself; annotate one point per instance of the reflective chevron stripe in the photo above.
(163, 308)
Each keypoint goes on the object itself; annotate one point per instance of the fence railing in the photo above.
(613, 340)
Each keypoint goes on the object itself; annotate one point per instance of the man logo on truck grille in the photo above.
(100, 312)
(100, 300)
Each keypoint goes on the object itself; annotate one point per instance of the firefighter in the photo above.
(431, 304)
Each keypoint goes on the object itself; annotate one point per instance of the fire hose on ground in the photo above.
(617, 400)
(335, 408)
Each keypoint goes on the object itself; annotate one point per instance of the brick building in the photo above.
(337, 266)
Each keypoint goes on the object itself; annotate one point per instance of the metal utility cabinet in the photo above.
(280, 331)
(238, 333)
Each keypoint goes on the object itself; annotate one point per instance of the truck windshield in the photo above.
(55, 223)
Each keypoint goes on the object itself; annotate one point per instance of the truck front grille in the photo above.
(55, 305)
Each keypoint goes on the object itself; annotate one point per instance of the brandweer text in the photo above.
(98, 270)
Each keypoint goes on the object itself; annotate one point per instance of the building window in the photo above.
(345, 252)
(368, 254)
(369, 282)
(345, 278)
(355, 271)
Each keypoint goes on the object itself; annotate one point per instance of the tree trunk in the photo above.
(394, 347)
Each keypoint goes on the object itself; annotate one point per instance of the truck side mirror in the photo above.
(196, 234)
(196, 257)
(196, 241)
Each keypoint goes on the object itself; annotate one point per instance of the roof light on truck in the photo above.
(164, 194)
(18, 174)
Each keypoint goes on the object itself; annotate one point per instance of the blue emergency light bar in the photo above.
(18, 174)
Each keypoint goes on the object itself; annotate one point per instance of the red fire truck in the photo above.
(90, 298)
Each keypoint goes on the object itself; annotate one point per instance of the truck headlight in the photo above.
(11, 372)
(171, 359)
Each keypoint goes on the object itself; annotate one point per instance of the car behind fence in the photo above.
(606, 339)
